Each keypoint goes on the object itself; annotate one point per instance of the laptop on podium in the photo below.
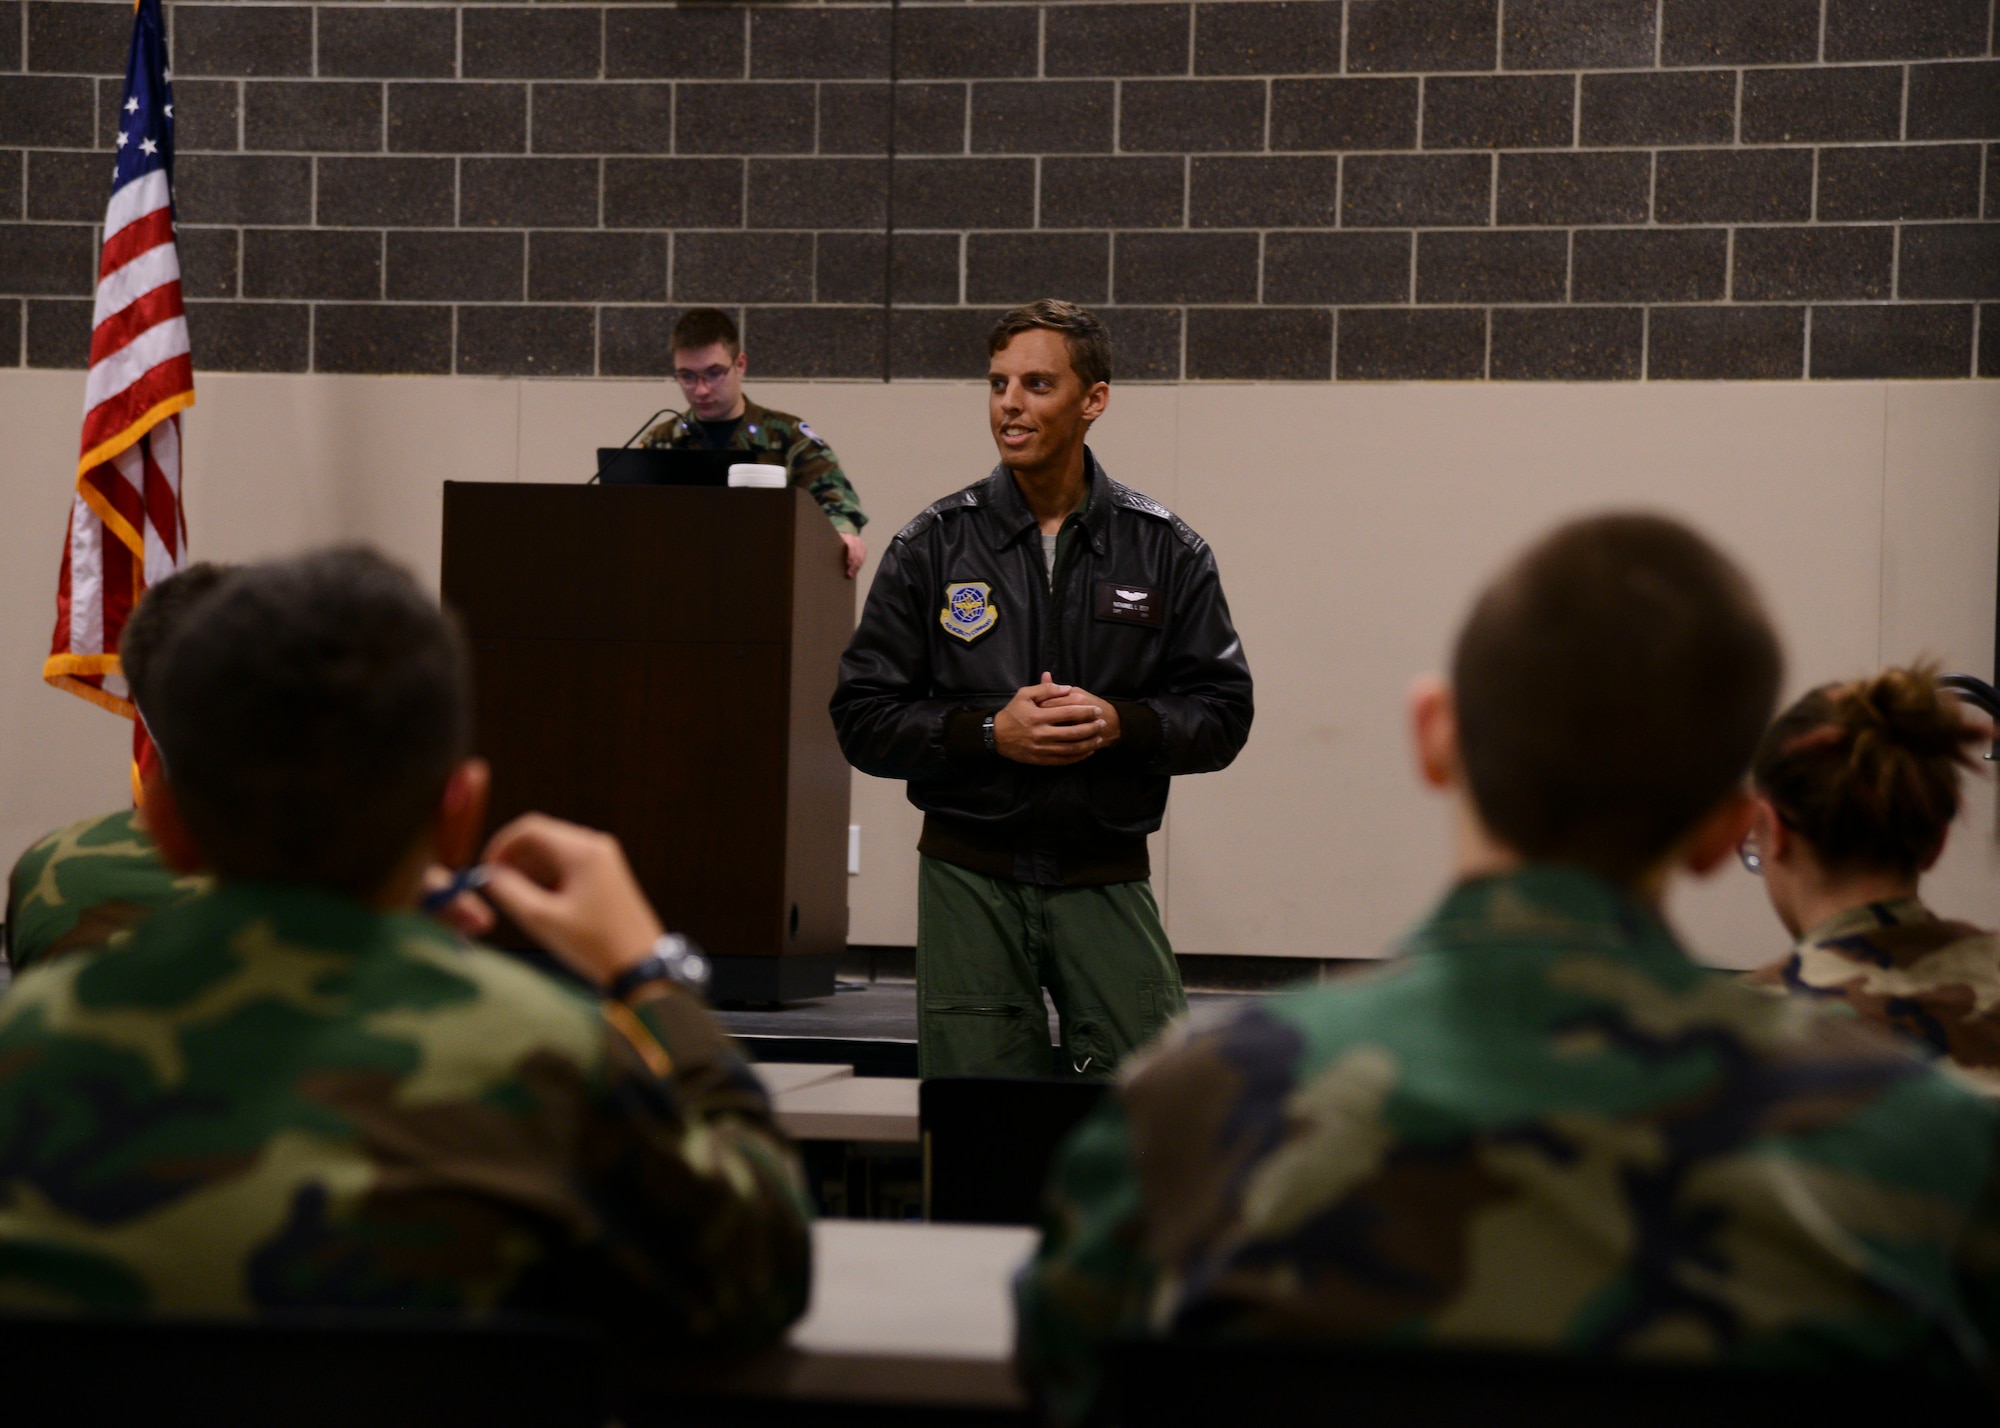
(666, 466)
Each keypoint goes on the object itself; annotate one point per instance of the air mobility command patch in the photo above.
(968, 611)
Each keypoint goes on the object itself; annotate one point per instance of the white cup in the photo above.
(759, 478)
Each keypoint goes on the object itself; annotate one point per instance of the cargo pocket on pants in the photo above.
(1089, 1047)
(1160, 1001)
(983, 1036)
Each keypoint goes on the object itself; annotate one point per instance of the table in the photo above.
(902, 1313)
(882, 1109)
(783, 1077)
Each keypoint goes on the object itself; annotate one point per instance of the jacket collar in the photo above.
(1554, 909)
(296, 916)
(1009, 516)
(749, 426)
(1869, 917)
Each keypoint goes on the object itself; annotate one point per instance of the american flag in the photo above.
(126, 527)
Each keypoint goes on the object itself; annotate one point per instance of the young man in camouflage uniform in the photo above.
(292, 1093)
(84, 884)
(1543, 1126)
(709, 365)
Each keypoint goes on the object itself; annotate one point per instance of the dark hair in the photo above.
(315, 709)
(1611, 685)
(701, 327)
(1867, 772)
(1089, 344)
(157, 615)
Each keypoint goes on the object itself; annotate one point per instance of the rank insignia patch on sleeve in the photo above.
(968, 611)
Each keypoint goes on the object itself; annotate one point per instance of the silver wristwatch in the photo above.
(673, 959)
(986, 733)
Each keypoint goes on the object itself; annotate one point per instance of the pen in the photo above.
(464, 880)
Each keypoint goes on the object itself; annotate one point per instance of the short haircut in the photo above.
(1611, 685)
(158, 614)
(315, 709)
(1089, 344)
(1867, 772)
(701, 327)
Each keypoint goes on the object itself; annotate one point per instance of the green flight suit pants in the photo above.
(987, 946)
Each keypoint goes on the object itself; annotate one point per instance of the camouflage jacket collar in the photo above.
(1867, 918)
(296, 915)
(753, 429)
(1001, 497)
(1548, 908)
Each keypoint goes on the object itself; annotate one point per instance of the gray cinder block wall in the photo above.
(1306, 189)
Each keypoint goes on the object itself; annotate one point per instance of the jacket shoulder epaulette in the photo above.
(967, 499)
(1133, 500)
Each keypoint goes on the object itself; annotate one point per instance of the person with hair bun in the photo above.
(1856, 788)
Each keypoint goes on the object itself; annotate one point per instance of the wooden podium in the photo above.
(656, 661)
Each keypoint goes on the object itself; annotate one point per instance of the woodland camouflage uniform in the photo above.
(1899, 964)
(271, 1098)
(1541, 1127)
(785, 441)
(84, 884)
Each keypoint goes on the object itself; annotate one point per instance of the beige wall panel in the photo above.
(282, 463)
(60, 758)
(563, 423)
(1351, 549)
(1940, 523)
(273, 464)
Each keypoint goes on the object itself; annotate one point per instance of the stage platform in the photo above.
(871, 1026)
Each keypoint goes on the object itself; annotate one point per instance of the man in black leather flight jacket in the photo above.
(1035, 874)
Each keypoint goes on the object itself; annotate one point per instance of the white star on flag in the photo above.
(147, 146)
(123, 138)
(170, 111)
(131, 106)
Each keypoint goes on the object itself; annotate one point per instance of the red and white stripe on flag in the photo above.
(126, 527)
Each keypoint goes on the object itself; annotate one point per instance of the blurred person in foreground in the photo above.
(1857, 787)
(85, 884)
(292, 1093)
(1543, 1126)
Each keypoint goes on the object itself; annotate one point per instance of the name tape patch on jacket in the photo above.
(1129, 604)
(968, 611)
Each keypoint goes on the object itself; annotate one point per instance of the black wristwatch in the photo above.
(674, 959)
(986, 733)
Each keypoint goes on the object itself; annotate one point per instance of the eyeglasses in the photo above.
(706, 378)
(1747, 851)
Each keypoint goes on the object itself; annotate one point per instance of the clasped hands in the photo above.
(1054, 724)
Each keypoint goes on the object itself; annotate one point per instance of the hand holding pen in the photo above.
(453, 899)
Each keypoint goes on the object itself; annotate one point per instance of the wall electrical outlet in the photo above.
(854, 850)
